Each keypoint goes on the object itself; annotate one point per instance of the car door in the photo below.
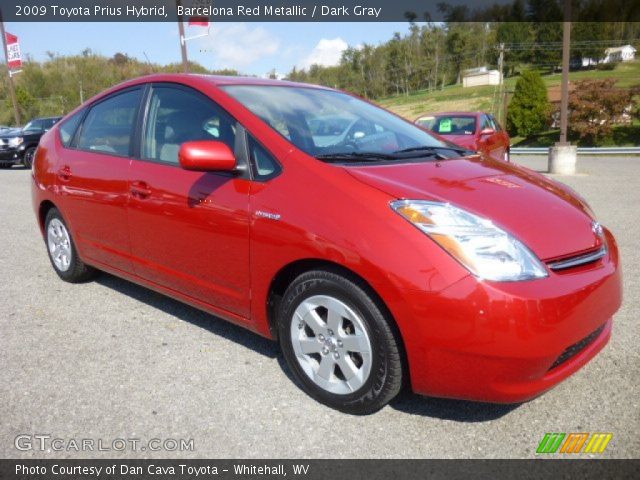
(189, 230)
(93, 175)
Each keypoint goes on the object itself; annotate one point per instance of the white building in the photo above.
(625, 53)
(481, 77)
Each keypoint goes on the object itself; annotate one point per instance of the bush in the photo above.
(529, 109)
(596, 105)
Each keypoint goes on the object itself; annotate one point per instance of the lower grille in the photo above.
(576, 348)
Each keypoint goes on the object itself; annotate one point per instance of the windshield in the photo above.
(40, 124)
(326, 122)
(450, 124)
(33, 125)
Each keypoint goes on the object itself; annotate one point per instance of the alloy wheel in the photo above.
(59, 244)
(331, 344)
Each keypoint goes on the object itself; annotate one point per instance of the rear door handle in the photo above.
(64, 173)
(140, 189)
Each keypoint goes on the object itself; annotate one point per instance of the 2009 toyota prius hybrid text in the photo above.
(377, 254)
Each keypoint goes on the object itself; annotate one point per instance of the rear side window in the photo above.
(69, 127)
(109, 125)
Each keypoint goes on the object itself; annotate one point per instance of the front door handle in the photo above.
(140, 189)
(64, 173)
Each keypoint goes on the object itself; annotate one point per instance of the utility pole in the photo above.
(501, 70)
(12, 90)
(81, 92)
(183, 42)
(564, 99)
(563, 155)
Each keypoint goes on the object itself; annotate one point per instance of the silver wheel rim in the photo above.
(331, 344)
(59, 244)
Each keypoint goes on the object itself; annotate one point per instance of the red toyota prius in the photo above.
(376, 254)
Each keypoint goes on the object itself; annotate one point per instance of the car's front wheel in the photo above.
(62, 251)
(29, 153)
(339, 343)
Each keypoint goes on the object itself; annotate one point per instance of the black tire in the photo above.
(6, 166)
(386, 375)
(27, 158)
(77, 270)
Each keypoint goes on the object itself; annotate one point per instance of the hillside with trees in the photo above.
(56, 85)
(416, 71)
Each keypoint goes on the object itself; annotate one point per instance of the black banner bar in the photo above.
(316, 11)
(123, 469)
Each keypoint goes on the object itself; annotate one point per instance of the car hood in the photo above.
(548, 217)
(466, 141)
(15, 132)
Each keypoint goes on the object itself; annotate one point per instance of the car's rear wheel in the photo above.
(62, 251)
(29, 153)
(339, 343)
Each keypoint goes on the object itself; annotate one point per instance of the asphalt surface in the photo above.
(108, 359)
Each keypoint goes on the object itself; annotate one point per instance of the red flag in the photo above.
(198, 21)
(14, 58)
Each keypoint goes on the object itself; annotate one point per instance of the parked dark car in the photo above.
(19, 145)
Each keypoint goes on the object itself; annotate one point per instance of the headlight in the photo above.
(484, 249)
(15, 141)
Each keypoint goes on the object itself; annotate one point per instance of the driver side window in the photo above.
(176, 116)
(486, 123)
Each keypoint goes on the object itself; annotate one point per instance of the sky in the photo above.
(252, 48)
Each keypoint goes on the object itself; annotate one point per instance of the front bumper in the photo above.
(11, 155)
(510, 342)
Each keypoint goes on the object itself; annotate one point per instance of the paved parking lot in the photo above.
(108, 359)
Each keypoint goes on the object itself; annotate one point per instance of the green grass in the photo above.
(484, 98)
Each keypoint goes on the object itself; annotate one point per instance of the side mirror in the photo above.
(487, 131)
(206, 156)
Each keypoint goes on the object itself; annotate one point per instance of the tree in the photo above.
(596, 105)
(529, 109)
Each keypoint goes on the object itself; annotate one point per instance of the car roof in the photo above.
(215, 80)
(195, 80)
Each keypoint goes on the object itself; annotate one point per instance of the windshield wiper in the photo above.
(426, 148)
(357, 156)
